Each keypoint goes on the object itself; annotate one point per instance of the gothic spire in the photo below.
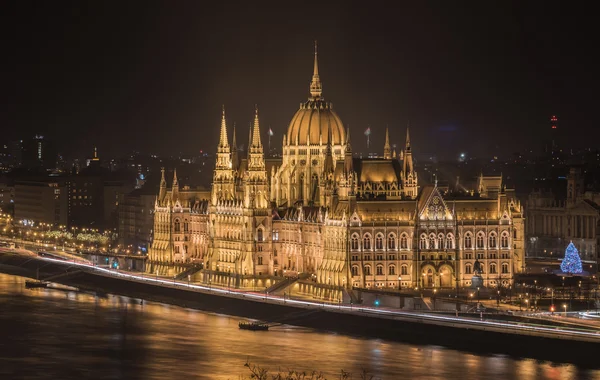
(223, 142)
(328, 164)
(316, 88)
(175, 187)
(256, 143)
(348, 146)
(233, 141)
(407, 139)
(235, 161)
(387, 152)
(163, 186)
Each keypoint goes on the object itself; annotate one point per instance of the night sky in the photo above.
(480, 77)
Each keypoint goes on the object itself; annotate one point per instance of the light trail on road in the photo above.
(522, 328)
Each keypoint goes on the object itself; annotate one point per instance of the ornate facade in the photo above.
(323, 215)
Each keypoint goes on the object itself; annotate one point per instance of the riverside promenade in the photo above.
(480, 334)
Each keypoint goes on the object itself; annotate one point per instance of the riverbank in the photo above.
(473, 336)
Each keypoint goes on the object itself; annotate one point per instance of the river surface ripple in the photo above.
(54, 334)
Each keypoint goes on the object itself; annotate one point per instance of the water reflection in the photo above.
(64, 335)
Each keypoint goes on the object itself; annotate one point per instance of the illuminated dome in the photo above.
(312, 122)
(310, 125)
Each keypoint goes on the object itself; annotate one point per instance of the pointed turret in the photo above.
(175, 187)
(256, 143)
(315, 85)
(256, 159)
(410, 181)
(223, 141)
(387, 151)
(223, 150)
(235, 160)
(408, 163)
(328, 164)
(348, 167)
(163, 186)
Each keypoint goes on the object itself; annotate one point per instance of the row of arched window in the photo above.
(492, 240)
(493, 268)
(380, 242)
(436, 242)
(380, 271)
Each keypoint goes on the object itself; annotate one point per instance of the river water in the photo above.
(55, 334)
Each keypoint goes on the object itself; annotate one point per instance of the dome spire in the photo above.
(315, 86)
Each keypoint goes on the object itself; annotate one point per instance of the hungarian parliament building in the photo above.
(322, 217)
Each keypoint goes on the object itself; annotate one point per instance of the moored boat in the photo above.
(254, 326)
(35, 284)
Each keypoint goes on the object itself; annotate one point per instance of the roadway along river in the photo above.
(53, 334)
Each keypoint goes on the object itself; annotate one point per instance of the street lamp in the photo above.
(565, 307)
(399, 283)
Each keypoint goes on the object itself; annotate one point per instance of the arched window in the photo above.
(379, 241)
(480, 240)
(366, 242)
(423, 242)
(404, 270)
(392, 270)
(432, 242)
(450, 241)
(259, 234)
(515, 233)
(403, 242)
(260, 260)
(177, 225)
(468, 242)
(379, 270)
(504, 267)
(186, 226)
(493, 240)
(468, 269)
(391, 241)
(441, 241)
(504, 240)
(355, 270)
(492, 268)
(354, 243)
(367, 270)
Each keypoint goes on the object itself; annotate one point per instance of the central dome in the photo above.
(311, 123)
(315, 118)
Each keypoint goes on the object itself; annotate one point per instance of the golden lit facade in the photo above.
(334, 221)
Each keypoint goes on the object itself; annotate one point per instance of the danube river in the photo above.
(58, 334)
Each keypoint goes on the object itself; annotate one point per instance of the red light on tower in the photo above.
(554, 121)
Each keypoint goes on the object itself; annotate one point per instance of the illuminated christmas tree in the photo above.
(571, 263)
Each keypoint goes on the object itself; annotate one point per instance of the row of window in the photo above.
(366, 242)
(493, 268)
(379, 269)
(429, 242)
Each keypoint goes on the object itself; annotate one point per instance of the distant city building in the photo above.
(42, 200)
(136, 219)
(90, 197)
(318, 212)
(38, 152)
(7, 196)
(554, 221)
